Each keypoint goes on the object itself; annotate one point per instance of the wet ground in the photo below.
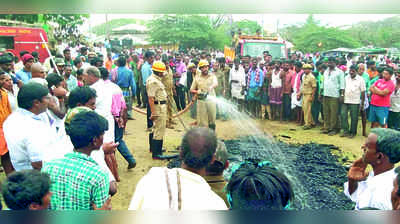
(318, 174)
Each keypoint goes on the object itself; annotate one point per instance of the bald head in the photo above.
(361, 68)
(38, 71)
(198, 147)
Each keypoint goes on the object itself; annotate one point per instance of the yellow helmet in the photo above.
(203, 63)
(307, 66)
(158, 66)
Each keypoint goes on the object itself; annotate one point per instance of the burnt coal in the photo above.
(316, 174)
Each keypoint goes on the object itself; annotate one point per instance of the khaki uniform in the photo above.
(156, 89)
(221, 80)
(227, 85)
(206, 109)
(168, 82)
(307, 86)
(217, 184)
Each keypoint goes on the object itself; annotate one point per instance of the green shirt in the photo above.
(76, 182)
(135, 71)
(365, 76)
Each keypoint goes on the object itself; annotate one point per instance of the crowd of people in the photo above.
(62, 121)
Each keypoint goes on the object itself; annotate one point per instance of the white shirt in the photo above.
(239, 80)
(395, 101)
(152, 192)
(12, 98)
(18, 66)
(276, 79)
(103, 106)
(375, 192)
(29, 137)
(353, 89)
(40, 81)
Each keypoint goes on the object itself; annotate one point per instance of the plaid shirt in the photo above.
(77, 181)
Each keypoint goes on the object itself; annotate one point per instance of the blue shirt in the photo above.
(125, 79)
(72, 83)
(24, 76)
(146, 72)
(253, 82)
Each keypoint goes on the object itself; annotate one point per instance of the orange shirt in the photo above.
(5, 107)
(109, 64)
(5, 110)
(372, 74)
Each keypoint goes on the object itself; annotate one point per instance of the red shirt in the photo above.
(382, 101)
(287, 88)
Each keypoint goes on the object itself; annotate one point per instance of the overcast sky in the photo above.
(270, 21)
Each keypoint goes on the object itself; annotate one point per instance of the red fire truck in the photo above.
(16, 39)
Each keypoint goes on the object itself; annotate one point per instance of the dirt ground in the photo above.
(137, 141)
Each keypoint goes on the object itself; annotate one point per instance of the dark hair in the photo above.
(104, 73)
(66, 50)
(148, 54)
(258, 187)
(388, 142)
(353, 67)
(388, 69)
(35, 54)
(79, 72)
(323, 66)
(29, 93)
(77, 61)
(298, 64)
(23, 188)
(22, 53)
(84, 127)
(80, 95)
(198, 147)
(121, 61)
(53, 79)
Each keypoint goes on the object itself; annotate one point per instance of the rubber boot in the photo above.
(211, 126)
(157, 151)
(151, 142)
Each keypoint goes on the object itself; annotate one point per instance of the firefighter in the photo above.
(203, 86)
(157, 97)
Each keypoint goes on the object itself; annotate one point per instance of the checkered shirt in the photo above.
(77, 181)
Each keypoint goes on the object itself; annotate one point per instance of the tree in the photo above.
(188, 31)
(248, 27)
(384, 33)
(312, 37)
(62, 26)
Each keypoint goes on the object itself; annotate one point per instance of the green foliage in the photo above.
(384, 33)
(102, 29)
(63, 26)
(188, 31)
(248, 27)
(312, 37)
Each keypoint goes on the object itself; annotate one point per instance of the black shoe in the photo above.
(332, 133)
(211, 126)
(131, 165)
(151, 141)
(157, 151)
(164, 157)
